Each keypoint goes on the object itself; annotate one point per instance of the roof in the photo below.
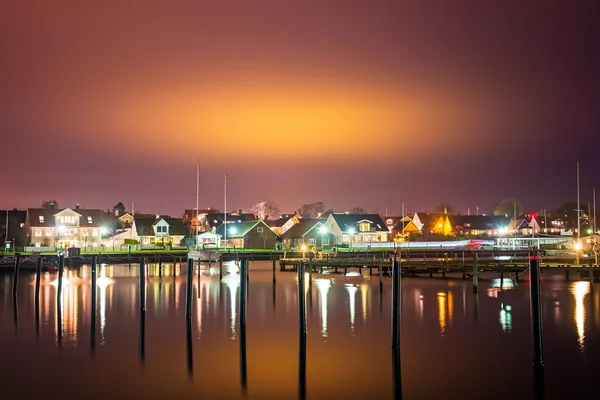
(192, 213)
(19, 216)
(480, 222)
(239, 229)
(144, 226)
(347, 221)
(235, 217)
(301, 228)
(277, 223)
(34, 214)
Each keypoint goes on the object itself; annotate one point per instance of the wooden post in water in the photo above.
(61, 268)
(475, 274)
(310, 269)
(274, 266)
(381, 274)
(38, 278)
(188, 292)
(93, 322)
(536, 325)
(188, 346)
(591, 275)
(16, 274)
(396, 288)
(142, 284)
(396, 371)
(221, 267)
(302, 334)
(243, 309)
(159, 266)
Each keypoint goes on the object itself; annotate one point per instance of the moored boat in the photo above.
(204, 255)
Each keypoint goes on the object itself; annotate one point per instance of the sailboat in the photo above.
(197, 253)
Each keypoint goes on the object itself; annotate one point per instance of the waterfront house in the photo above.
(213, 220)
(158, 232)
(357, 228)
(276, 225)
(248, 235)
(207, 240)
(311, 232)
(403, 228)
(193, 220)
(14, 232)
(476, 225)
(50, 227)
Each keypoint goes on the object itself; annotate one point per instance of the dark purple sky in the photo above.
(353, 103)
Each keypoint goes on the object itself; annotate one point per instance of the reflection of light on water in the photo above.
(442, 312)
(364, 291)
(506, 318)
(419, 300)
(450, 307)
(232, 281)
(323, 286)
(103, 282)
(352, 295)
(353, 273)
(579, 290)
(506, 283)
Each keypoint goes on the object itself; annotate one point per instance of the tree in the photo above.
(444, 208)
(313, 209)
(358, 210)
(567, 215)
(263, 210)
(508, 207)
(49, 204)
(119, 209)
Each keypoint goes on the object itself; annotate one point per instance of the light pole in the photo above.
(225, 210)
(303, 251)
(351, 231)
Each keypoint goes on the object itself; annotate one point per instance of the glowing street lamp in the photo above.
(351, 231)
(303, 251)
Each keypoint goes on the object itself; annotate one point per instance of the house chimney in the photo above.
(52, 206)
(157, 216)
(239, 210)
(77, 207)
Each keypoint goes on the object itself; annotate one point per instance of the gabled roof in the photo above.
(95, 216)
(347, 221)
(188, 214)
(145, 226)
(428, 219)
(303, 226)
(240, 228)
(277, 223)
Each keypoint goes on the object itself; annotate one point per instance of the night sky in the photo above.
(353, 103)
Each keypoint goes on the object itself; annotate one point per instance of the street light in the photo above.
(303, 251)
(351, 231)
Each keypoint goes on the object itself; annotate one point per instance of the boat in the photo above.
(204, 255)
(197, 253)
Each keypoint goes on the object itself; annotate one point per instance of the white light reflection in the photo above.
(506, 318)
(323, 286)
(352, 296)
(232, 281)
(103, 282)
(442, 312)
(580, 290)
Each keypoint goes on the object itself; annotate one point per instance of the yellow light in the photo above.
(577, 246)
(303, 247)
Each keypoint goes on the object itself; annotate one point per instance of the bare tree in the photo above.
(358, 210)
(312, 209)
(508, 207)
(263, 210)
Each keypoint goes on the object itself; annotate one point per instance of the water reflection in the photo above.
(232, 281)
(442, 312)
(506, 318)
(352, 297)
(365, 299)
(580, 290)
(323, 286)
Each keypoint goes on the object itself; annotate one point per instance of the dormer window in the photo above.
(89, 219)
(41, 219)
(389, 221)
(364, 227)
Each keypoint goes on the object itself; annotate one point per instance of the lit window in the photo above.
(41, 219)
(89, 219)
(389, 221)
(325, 241)
(95, 232)
(38, 244)
(48, 233)
(312, 241)
(94, 244)
(364, 227)
(38, 232)
(259, 229)
(21, 225)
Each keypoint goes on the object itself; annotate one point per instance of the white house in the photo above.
(357, 228)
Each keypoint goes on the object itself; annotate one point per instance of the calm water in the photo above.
(454, 344)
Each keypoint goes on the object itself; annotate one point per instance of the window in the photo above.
(48, 233)
(21, 225)
(325, 241)
(259, 229)
(312, 241)
(38, 232)
(95, 232)
(41, 219)
(161, 229)
(89, 219)
(38, 244)
(389, 221)
(364, 227)
(84, 232)
(94, 244)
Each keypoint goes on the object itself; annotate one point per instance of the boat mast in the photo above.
(197, 195)
(225, 212)
(578, 219)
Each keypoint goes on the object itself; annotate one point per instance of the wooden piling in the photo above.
(61, 268)
(591, 269)
(38, 278)
(188, 292)
(93, 306)
(221, 267)
(142, 284)
(475, 273)
(159, 266)
(396, 288)
(16, 274)
(381, 274)
(310, 269)
(536, 325)
(274, 266)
